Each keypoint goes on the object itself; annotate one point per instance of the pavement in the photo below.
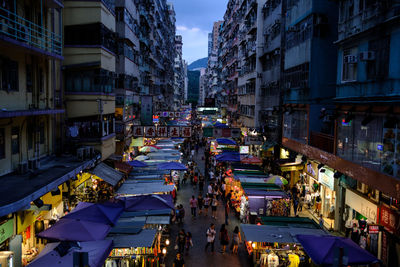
(197, 256)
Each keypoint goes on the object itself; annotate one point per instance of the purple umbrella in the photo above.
(107, 213)
(137, 164)
(176, 166)
(98, 252)
(149, 202)
(75, 230)
(321, 249)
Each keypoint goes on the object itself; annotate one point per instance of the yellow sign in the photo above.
(291, 168)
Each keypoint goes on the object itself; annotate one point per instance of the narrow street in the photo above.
(198, 227)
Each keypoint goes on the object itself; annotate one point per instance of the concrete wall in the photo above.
(81, 105)
(85, 55)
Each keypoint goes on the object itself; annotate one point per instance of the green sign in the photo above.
(208, 132)
(6, 230)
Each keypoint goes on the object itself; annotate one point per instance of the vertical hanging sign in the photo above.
(146, 116)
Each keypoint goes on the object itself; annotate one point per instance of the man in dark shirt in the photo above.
(179, 261)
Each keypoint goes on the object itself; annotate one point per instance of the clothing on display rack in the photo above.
(273, 260)
(294, 260)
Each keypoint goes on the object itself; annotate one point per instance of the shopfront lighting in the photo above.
(167, 242)
(164, 251)
(253, 245)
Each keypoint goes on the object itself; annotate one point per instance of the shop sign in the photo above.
(186, 131)
(226, 132)
(290, 168)
(150, 131)
(312, 169)
(389, 219)
(137, 142)
(138, 131)
(252, 140)
(174, 131)
(6, 230)
(373, 229)
(326, 178)
(162, 131)
(362, 206)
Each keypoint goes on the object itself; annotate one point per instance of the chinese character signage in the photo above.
(150, 131)
(174, 131)
(186, 131)
(390, 220)
(146, 116)
(6, 230)
(138, 131)
(162, 131)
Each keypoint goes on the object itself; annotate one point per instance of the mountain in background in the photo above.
(200, 63)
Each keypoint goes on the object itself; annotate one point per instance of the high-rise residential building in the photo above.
(210, 43)
(215, 34)
(89, 73)
(202, 86)
(193, 86)
(179, 72)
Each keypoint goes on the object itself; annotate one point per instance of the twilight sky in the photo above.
(194, 20)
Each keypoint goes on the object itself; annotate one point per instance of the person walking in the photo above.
(193, 206)
(188, 242)
(180, 241)
(223, 238)
(201, 183)
(179, 261)
(210, 189)
(181, 213)
(200, 203)
(226, 213)
(214, 204)
(207, 201)
(210, 237)
(236, 240)
(195, 180)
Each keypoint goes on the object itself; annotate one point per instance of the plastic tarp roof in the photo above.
(108, 174)
(146, 213)
(267, 194)
(144, 188)
(149, 202)
(144, 239)
(158, 219)
(250, 180)
(279, 234)
(322, 250)
(98, 252)
(107, 213)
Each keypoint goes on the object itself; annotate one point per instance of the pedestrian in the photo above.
(181, 213)
(197, 148)
(228, 198)
(210, 237)
(185, 177)
(180, 241)
(214, 204)
(193, 205)
(223, 188)
(216, 191)
(223, 238)
(192, 154)
(179, 261)
(226, 213)
(236, 240)
(355, 234)
(200, 203)
(207, 201)
(295, 205)
(210, 189)
(195, 180)
(321, 221)
(188, 242)
(211, 173)
(201, 183)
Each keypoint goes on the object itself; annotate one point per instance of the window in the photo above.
(379, 68)
(8, 74)
(295, 126)
(97, 80)
(349, 67)
(2, 144)
(15, 140)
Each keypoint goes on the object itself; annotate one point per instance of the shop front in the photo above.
(328, 196)
(389, 219)
(6, 233)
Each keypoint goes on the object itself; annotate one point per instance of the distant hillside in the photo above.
(200, 63)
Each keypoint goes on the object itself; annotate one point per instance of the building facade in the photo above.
(179, 72)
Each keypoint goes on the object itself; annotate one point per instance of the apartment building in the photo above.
(179, 74)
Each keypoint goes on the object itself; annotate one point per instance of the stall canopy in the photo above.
(144, 188)
(146, 213)
(100, 213)
(50, 256)
(130, 225)
(148, 149)
(322, 250)
(278, 180)
(264, 193)
(225, 141)
(144, 239)
(108, 174)
(228, 156)
(221, 125)
(142, 157)
(149, 202)
(75, 230)
(137, 164)
(242, 166)
(173, 166)
(249, 159)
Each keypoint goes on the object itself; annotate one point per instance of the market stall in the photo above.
(276, 244)
(134, 188)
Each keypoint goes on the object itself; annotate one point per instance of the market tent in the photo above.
(228, 156)
(278, 180)
(322, 250)
(108, 174)
(225, 141)
(267, 194)
(248, 159)
(100, 213)
(242, 166)
(75, 230)
(249, 180)
(149, 202)
(144, 188)
(144, 239)
(148, 149)
(221, 125)
(252, 172)
(158, 220)
(130, 225)
(146, 213)
(98, 252)
(176, 166)
(138, 164)
(298, 222)
(142, 157)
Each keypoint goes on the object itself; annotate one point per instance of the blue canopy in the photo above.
(98, 252)
(225, 141)
(172, 166)
(149, 202)
(229, 156)
(321, 250)
(220, 125)
(136, 163)
(107, 213)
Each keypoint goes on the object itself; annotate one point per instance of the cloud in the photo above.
(195, 42)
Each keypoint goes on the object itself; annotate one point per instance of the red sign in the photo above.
(186, 131)
(137, 131)
(162, 131)
(373, 229)
(226, 132)
(174, 131)
(389, 219)
(150, 131)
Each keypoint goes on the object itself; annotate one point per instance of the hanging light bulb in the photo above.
(167, 242)
(164, 251)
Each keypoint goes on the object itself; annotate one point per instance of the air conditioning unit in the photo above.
(22, 167)
(33, 164)
(350, 59)
(367, 55)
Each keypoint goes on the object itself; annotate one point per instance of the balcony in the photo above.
(22, 32)
(322, 141)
